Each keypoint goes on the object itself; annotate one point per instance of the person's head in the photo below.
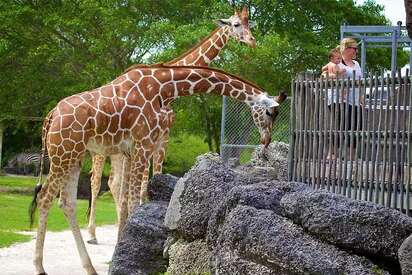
(334, 56)
(348, 48)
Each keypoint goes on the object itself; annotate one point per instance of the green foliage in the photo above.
(13, 210)
(87, 166)
(53, 49)
(182, 152)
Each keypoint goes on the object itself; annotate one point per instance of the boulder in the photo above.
(188, 257)
(264, 195)
(197, 193)
(362, 227)
(267, 242)
(405, 256)
(272, 160)
(140, 248)
(161, 186)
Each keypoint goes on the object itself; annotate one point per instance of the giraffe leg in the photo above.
(44, 201)
(139, 166)
(68, 204)
(144, 196)
(123, 195)
(97, 171)
(158, 158)
(115, 179)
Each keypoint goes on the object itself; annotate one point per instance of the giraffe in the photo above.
(236, 27)
(125, 115)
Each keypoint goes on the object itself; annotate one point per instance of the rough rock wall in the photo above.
(253, 224)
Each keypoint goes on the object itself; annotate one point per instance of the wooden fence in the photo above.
(352, 137)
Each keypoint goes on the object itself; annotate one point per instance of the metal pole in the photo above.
(363, 57)
(394, 52)
(410, 56)
(222, 128)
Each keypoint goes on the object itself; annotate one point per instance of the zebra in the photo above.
(25, 160)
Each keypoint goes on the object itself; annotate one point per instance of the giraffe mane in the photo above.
(192, 48)
(164, 65)
(138, 66)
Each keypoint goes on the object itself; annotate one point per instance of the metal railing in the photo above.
(352, 137)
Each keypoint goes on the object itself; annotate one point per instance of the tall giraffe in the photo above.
(125, 115)
(236, 27)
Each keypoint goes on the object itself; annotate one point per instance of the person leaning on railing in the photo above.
(349, 49)
(350, 69)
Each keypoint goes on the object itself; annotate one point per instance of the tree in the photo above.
(52, 49)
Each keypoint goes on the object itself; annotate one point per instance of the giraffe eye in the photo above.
(236, 24)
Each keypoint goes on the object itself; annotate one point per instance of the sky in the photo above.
(394, 10)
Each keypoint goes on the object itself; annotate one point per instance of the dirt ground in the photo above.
(60, 253)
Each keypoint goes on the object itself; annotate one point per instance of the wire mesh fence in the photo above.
(239, 136)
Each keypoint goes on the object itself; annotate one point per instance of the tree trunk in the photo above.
(206, 120)
(1, 141)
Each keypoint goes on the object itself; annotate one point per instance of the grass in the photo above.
(20, 182)
(8, 238)
(14, 216)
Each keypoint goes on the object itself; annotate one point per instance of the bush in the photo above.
(182, 152)
(87, 166)
(180, 156)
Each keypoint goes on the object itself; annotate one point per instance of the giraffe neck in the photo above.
(172, 82)
(205, 51)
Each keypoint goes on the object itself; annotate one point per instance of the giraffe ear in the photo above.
(268, 102)
(223, 22)
(281, 97)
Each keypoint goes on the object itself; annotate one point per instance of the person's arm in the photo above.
(339, 70)
(325, 68)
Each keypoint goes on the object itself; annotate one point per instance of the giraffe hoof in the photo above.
(43, 273)
(92, 241)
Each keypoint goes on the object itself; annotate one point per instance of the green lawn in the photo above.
(17, 181)
(14, 212)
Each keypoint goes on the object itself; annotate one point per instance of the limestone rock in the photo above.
(263, 240)
(161, 186)
(264, 195)
(362, 227)
(140, 248)
(188, 258)
(405, 256)
(197, 193)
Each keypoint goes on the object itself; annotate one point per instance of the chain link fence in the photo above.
(239, 135)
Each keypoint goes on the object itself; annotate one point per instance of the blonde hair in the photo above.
(347, 43)
(333, 52)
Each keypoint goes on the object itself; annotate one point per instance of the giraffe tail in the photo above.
(33, 204)
(45, 130)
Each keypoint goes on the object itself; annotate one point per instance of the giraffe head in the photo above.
(239, 27)
(265, 117)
